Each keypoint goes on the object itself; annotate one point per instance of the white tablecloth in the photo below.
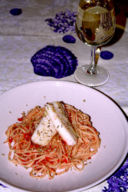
(21, 36)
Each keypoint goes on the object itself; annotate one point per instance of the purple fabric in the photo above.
(16, 11)
(69, 39)
(54, 61)
(62, 22)
(106, 55)
(118, 182)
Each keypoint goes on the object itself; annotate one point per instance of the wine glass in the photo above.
(95, 26)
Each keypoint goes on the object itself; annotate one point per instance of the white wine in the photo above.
(95, 25)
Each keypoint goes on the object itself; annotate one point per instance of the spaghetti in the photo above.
(57, 157)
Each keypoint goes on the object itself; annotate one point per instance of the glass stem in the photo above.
(92, 68)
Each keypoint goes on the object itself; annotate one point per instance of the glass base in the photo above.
(85, 78)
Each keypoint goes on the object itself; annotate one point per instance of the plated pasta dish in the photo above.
(52, 140)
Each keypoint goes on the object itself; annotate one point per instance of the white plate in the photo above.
(106, 116)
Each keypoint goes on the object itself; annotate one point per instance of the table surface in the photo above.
(23, 35)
